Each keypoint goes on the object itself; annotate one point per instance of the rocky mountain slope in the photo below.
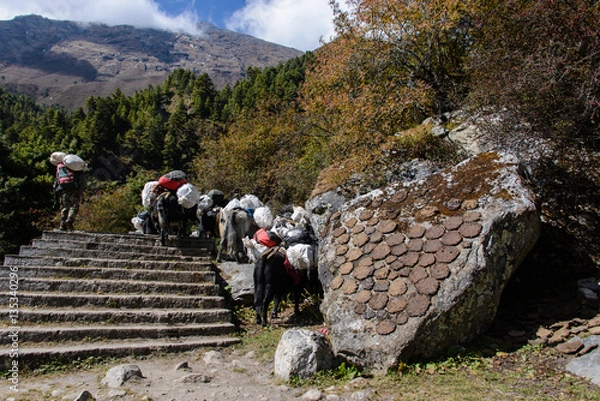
(65, 62)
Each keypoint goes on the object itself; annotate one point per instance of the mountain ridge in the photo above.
(65, 62)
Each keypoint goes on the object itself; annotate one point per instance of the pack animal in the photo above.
(274, 278)
(272, 282)
(209, 222)
(171, 216)
(234, 225)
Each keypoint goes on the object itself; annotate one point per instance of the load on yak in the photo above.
(282, 247)
(170, 205)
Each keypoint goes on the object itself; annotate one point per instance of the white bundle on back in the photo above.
(57, 157)
(233, 204)
(253, 249)
(188, 195)
(300, 216)
(204, 203)
(250, 201)
(263, 217)
(148, 195)
(74, 162)
(301, 256)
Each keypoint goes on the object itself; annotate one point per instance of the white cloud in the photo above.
(294, 23)
(140, 13)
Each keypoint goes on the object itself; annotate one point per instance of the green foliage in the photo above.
(112, 205)
(336, 111)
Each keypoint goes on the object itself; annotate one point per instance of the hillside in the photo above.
(65, 62)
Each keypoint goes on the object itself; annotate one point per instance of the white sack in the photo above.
(148, 195)
(263, 217)
(253, 249)
(233, 204)
(250, 202)
(300, 256)
(204, 203)
(74, 162)
(137, 223)
(281, 226)
(188, 195)
(300, 216)
(57, 157)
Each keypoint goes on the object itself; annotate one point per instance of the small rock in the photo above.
(363, 395)
(595, 321)
(115, 377)
(543, 333)
(587, 349)
(211, 357)
(312, 395)
(182, 366)
(196, 378)
(570, 347)
(453, 204)
(559, 336)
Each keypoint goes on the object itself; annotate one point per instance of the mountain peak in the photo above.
(65, 62)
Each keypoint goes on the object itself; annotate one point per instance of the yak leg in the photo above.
(269, 296)
(259, 294)
(163, 222)
(276, 301)
(222, 243)
(296, 300)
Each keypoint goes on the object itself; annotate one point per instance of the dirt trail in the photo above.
(210, 375)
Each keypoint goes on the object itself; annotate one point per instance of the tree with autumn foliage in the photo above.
(392, 64)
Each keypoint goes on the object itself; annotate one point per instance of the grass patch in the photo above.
(262, 341)
(484, 371)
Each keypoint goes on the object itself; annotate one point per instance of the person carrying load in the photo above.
(69, 186)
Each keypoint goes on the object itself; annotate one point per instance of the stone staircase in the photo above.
(82, 294)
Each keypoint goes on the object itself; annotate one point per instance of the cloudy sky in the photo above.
(295, 23)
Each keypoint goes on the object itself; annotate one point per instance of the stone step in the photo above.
(33, 284)
(113, 273)
(48, 333)
(132, 239)
(36, 356)
(117, 247)
(20, 260)
(81, 294)
(85, 315)
(27, 250)
(133, 301)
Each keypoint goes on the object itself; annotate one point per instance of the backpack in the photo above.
(65, 176)
(173, 180)
(67, 179)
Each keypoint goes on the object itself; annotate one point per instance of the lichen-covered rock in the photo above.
(445, 247)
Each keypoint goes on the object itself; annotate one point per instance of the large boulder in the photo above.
(239, 279)
(302, 353)
(415, 267)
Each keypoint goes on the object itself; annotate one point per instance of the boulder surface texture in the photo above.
(302, 353)
(414, 268)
